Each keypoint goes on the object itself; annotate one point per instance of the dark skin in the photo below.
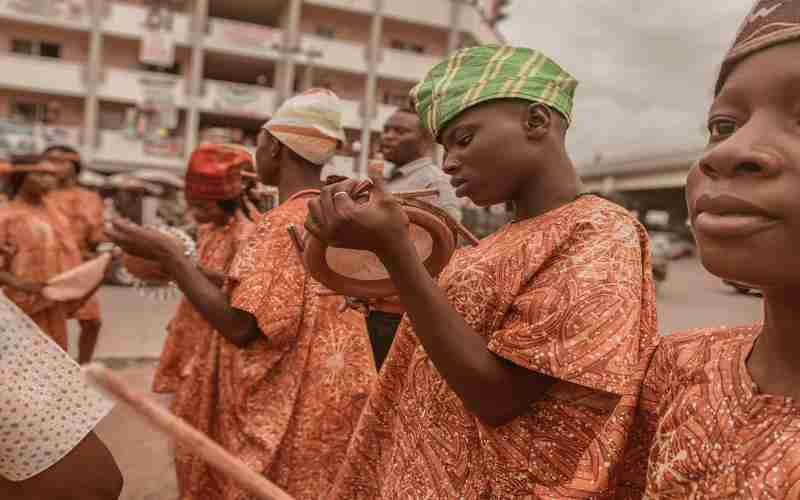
(33, 190)
(276, 166)
(404, 139)
(88, 472)
(744, 203)
(536, 174)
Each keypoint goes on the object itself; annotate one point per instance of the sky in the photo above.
(646, 67)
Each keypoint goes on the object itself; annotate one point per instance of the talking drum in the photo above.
(360, 274)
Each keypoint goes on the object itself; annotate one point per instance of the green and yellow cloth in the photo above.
(478, 74)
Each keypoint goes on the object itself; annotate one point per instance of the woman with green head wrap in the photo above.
(515, 374)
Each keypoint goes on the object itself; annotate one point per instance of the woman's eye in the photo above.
(721, 128)
(465, 140)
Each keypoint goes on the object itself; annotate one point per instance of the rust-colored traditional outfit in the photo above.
(288, 402)
(85, 211)
(213, 174)
(188, 330)
(40, 245)
(567, 294)
(706, 428)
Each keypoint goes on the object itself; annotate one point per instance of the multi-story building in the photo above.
(137, 83)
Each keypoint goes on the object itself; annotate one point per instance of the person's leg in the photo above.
(382, 327)
(90, 331)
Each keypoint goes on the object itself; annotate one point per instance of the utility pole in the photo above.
(93, 68)
(373, 58)
(289, 48)
(195, 90)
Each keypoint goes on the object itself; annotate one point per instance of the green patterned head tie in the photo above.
(478, 74)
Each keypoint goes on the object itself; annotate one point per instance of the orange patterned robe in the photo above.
(40, 246)
(288, 402)
(85, 211)
(708, 431)
(568, 294)
(216, 247)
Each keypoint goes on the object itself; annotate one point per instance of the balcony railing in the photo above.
(116, 149)
(39, 74)
(131, 86)
(228, 98)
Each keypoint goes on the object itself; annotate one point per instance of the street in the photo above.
(134, 330)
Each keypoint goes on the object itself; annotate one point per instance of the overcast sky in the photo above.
(646, 67)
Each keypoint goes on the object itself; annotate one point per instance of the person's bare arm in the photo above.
(88, 472)
(492, 388)
(239, 327)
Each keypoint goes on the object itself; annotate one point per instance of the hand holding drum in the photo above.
(360, 220)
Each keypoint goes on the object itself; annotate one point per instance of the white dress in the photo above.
(46, 409)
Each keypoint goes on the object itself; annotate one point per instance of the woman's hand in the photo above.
(378, 224)
(142, 242)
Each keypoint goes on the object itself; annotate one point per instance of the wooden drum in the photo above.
(360, 274)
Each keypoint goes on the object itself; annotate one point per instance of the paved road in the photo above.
(134, 333)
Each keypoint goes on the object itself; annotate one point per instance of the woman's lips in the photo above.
(727, 217)
(729, 226)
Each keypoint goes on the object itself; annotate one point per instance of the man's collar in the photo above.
(408, 168)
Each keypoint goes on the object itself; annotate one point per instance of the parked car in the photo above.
(674, 246)
(659, 257)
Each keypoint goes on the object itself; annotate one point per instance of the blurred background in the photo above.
(135, 85)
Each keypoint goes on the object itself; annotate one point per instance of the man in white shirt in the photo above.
(48, 449)
(408, 146)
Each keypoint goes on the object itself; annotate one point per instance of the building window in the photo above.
(22, 46)
(50, 50)
(36, 48)
(326, 31)
(29, 112)
(407, 46)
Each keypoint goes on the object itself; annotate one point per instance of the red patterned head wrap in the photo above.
(215, 172)
(769, 23)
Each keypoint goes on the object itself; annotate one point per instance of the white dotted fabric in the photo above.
(46, 408)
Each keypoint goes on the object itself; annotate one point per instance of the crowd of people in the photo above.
(531, 367)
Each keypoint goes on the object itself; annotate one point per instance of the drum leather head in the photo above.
(77, 283)
(359, 273)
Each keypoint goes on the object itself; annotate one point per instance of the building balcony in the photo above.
(38, 74)
(68, 15)
(132, 86)
(117, 152)
(127, 21)
(247, 39)
(436, 13)
(235, 99)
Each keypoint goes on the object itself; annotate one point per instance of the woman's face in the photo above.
(744, 194)
(39, 183)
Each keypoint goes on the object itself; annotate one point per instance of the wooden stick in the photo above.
(419, 193)
(466, 233)
(199, 443)
(296, 240)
